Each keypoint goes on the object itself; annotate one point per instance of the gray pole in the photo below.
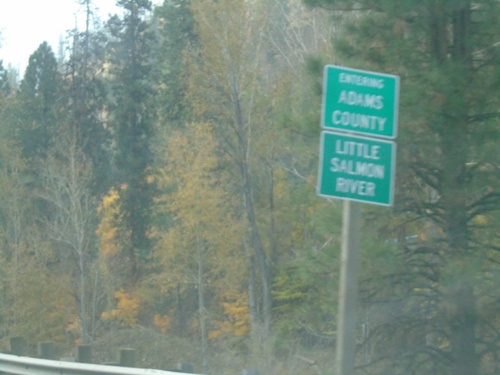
(348, 292)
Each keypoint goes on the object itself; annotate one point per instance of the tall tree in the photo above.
(4, 80)
(203, 246)
(447, 55)
(67, 176)
(32, 302)
(224, 87)
(86, 98)
(132, 124)
(174, 26)
(39, 94)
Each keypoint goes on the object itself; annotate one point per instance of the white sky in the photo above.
(25, 24)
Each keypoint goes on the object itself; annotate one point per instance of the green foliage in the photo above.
(239, 238)
(133, 123)
(34, 305)
(86, 101)
(4, 80)
(173, 24)
(39, 95)
(442, 52)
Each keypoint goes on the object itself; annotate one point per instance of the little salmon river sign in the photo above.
(356, 168)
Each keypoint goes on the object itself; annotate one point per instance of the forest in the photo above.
(158, 188)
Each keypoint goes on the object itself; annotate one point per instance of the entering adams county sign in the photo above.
(359, 101)
(356, 168)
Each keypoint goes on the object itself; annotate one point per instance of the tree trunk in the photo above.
(258, 247)
(463, 327)
(252, 304)
(463, 317)
(201, 307)
(453, 134)
(243, 134)
(83, 297)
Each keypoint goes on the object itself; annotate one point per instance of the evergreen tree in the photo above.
(132, 123)
(446, 53)
(173, 23)
(39, 95)
(4, 80)
(87, 99)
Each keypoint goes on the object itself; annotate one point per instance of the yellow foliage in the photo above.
(73, 327)
(108, 201)
(37, 302)
(231, 34)
(444, 344)
(126, 311)
(150, 179)
(281, 184)
(109, 210)
(237, 320)
(162, 322)
(204, 222)
(481, 219)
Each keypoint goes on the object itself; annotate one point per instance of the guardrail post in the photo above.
(126, 357)
(84, 354)
(251, 372)
(17, 345)
(186, 368)
(46, 350)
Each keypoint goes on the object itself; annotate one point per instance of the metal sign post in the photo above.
(346, 325)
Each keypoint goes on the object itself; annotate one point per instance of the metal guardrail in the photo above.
(12, 364)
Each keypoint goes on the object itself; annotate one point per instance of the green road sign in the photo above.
(356, 168)
(359, 101)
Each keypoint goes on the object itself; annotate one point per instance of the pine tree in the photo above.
(132, 123)
(173, 24)
(86, 99)
(39, 94)
(4, 80)
(446, 53)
